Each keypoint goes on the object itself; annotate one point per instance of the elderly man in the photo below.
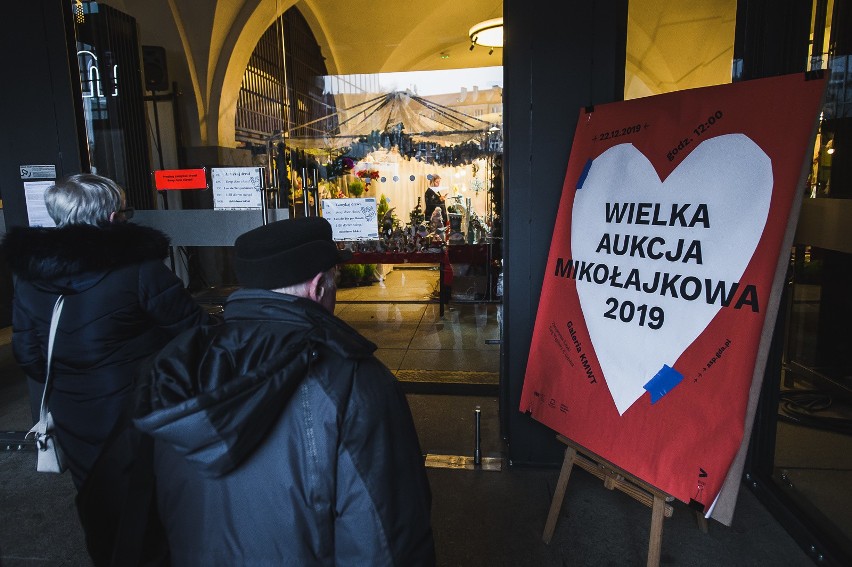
(279, 439)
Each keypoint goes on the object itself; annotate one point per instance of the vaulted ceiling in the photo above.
(671, 44)
(383, 36)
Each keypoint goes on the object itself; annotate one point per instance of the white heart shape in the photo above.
(728, 174)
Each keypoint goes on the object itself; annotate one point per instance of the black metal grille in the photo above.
(264, 107)
(261, 105)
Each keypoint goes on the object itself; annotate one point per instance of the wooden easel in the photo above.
(613, 477)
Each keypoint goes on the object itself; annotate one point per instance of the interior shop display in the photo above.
(395, 144)
(371, 163)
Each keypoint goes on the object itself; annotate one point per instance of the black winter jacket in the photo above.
(122, 304)
(281, 440)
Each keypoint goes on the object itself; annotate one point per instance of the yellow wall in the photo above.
(674, 45)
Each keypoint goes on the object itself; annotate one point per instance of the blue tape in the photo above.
(583, 175)
(663, 383)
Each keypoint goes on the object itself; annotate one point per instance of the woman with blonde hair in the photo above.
(433, 199)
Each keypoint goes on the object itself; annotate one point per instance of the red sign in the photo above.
(172, 179)
(669, 236)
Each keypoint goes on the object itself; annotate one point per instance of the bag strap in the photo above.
(54, 323)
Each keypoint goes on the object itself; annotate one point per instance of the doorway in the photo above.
(424, 283)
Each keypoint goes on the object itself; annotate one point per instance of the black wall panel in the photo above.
(553, 67)
(40, 102)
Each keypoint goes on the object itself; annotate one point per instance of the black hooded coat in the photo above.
(279, 439)
(122, 304)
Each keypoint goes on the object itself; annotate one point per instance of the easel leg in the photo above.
(559, 494)
(655, 541)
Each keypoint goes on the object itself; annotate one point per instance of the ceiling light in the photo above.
(488, 33)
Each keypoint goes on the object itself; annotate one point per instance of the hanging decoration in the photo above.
(418, 127)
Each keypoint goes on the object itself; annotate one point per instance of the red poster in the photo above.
(669, 230)
(180, 179)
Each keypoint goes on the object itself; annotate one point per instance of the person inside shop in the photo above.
(120, 304)
(279, 437)
(434, 199)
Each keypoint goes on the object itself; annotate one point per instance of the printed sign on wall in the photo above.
(36, 208)
(236, 188)
(669, 231)
(180, 179)
(351, 219)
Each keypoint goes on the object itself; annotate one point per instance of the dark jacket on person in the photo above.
(432, 201)
(122, 304)
(281, 440)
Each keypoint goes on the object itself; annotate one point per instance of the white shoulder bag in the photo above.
(50, 456)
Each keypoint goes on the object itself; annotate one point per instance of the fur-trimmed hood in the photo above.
(75, 257)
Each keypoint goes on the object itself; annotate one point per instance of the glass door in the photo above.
(808, 447)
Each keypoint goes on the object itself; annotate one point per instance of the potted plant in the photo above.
(356, 188)
(369, 275)
(350, 274)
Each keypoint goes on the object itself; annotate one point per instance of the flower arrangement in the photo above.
(339, 167)
(368, 174)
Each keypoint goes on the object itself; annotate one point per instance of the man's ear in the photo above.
(112, 216)
(317, 290)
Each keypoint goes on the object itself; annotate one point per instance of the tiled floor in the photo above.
(401, 315)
